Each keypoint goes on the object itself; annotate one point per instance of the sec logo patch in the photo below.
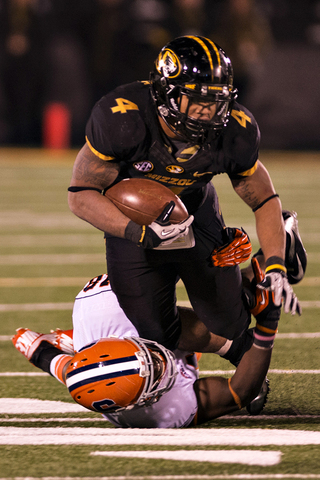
(174, 169)
(144, 166)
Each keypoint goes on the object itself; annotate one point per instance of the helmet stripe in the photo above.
(98, 378)
(217, 54)
(206, 49)
(107, 371)
(115, 361)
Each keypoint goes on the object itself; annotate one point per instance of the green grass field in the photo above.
(46, 256)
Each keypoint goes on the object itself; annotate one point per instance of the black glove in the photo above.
(160, 231)
(276, 281)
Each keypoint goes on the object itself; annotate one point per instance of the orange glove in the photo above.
(266, 312)
(236, 250)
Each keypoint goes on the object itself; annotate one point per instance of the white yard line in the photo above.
(52, 240)
(249, 476)
(280, 336)
(254, 437)
(304, 304)
(21, 307)
(233, 418)
(245, 457)
(9, 282)
(54, 259)
(44, 282)
(202, 372)
(30, 307)
(35, 407)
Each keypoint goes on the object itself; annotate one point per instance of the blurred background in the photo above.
(58, 57)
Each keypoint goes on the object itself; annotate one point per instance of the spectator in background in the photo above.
(245, 34)
(45, 52)
(20, 71)
(190, 17)
(106, 36)
(67, 29)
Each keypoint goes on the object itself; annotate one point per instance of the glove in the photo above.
(160, 231)
(276, 281)
(237, 249)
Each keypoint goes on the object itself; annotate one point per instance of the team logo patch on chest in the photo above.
(174, 169)
(144, 166)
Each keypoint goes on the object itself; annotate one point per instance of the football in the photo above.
(142, 200)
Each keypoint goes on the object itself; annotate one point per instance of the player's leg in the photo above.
(144, 284)
(50, 352)
(216, 296)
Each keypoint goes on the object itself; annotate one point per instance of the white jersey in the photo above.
(97, 314)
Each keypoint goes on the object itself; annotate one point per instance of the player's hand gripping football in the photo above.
(160, 231)
(236, 250)
(276, 281)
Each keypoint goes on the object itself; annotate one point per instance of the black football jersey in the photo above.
(123, 127)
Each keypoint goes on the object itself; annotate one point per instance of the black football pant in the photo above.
(145, 282)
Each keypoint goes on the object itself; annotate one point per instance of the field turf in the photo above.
(46, 256)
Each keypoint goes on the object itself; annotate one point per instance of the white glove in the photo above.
(170, 233)
(277, 283)
(160, 231)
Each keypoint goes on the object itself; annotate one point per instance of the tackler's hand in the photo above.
(262, 302)
(236, 250)
(276, 281)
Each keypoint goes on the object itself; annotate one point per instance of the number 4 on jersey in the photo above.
(241, 117)
(124, 105)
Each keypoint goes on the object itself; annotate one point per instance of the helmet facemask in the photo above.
(161, 370)
(181, 123)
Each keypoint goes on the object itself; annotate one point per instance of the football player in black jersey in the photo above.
(181, 128)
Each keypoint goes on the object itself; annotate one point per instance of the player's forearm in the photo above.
(98, 211)
(270, 229)
(250, 373)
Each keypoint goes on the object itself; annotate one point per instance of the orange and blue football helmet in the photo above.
(112, 374)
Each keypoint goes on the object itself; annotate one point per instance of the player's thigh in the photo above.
(145, 291)
(216, 296)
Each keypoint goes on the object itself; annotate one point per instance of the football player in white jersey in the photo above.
(138, 383)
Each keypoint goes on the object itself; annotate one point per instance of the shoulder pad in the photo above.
(241, 141)
(116, 125)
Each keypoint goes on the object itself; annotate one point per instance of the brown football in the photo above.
(142, 200)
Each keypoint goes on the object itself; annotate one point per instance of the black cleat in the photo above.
(257, 405)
